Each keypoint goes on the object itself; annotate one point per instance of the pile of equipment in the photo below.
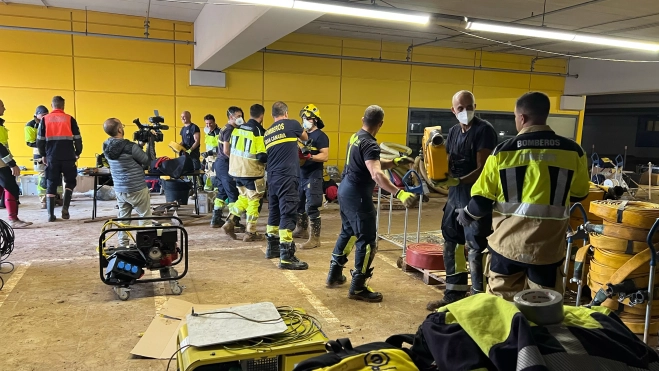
(620, 260)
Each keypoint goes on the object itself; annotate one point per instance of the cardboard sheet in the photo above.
(159, 339)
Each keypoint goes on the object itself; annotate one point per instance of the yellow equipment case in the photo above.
(247, 356)
(434, 153)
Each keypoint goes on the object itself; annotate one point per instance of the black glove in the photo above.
(464, 218)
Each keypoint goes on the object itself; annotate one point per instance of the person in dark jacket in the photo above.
(127, 162)
(60, 145)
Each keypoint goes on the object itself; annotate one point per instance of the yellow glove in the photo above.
(449, 182)
(406, 198)
(403, 161)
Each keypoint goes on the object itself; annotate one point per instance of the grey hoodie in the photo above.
(127, 163)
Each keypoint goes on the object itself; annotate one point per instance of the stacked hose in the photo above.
(618, 275)
(390, 150)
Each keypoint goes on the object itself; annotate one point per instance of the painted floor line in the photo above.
(318, 305)
(10, 283)
(387, 260)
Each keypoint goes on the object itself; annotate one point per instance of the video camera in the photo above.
(150, 134)
(146, 133)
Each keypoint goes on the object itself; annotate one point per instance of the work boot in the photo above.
(359, 290)
(314, 238)
(335, 276)
(66, 202)
(239, 227)
(251, 237)
(287, 259)
(301, 228)
(43, 205)
(18, 224)
(58, 200)
(50, 205)
(272, 249)
(449, 297)
(216, 220)
(229, 226)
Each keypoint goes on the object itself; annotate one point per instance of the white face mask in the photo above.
(306, 124)
(207, 130)
(465, 117)
(240, 121)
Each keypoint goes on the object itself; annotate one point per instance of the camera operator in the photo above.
(127, 161)
(190, 139)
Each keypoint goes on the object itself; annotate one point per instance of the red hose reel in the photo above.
(425, 256)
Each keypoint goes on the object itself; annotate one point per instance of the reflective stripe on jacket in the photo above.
(247, 150)
(58, 137)
(485, 332)
(530, 179)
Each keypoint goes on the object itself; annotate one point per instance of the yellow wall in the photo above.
(103, 77)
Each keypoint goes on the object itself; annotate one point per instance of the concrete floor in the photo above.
(55, 313)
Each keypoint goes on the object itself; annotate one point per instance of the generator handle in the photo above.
(418, 190)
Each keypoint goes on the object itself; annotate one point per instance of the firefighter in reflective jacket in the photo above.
(31, 129)
(60, 145)
(527, 184)
(311, 177)
(211, 140)
(247, 166)
(9, 170)
(468, 145)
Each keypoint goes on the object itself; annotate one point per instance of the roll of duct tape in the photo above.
(542, 307)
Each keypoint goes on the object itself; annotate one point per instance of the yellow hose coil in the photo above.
(616, 260)
(631, 213)
(617, 244)
(624, 232)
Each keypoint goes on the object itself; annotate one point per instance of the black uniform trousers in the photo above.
(282, 204)
(456, 236)
(358, 227)
(310, 195)
(8, 182)
(226, 185)
(54, 172)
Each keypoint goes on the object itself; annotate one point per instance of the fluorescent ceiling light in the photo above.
(362, 12)
(344, 10)
(279, 3)
(561, 35)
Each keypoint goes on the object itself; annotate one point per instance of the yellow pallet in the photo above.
(288, 356)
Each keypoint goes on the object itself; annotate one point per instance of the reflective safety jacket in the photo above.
(212, 140)
(59, 137)
(485, 332)
(4, 134)
(528, 183)
(248, 155)
(30, 130)
(6, 159)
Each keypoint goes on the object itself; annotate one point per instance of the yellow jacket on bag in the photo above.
(528, 183)
(248, 156)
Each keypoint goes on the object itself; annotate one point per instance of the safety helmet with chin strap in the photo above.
(311, 111)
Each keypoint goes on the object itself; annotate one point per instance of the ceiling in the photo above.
(636, 19)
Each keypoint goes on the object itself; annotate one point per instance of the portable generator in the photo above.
(159, 245)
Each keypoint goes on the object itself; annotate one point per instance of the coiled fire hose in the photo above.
(619, 257)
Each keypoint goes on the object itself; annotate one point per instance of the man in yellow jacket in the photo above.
(527, 184)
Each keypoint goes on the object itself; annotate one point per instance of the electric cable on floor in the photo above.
(6, 248)
(301, 327)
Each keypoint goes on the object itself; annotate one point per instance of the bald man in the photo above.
(190, 139)
(468, 145)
